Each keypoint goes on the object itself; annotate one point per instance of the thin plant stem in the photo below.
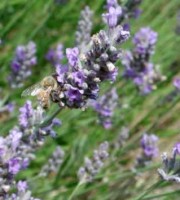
(161, 195)
(49, 119)
(150, 189)
(75, 190)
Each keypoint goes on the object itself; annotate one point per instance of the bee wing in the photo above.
(32, 90)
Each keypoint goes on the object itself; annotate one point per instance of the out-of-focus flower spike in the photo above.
(25, 58)
(92, 166)
(83, 33)
(54, 163)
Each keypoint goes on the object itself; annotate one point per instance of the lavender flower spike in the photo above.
(171, 166)
(145, 40)
(149, 145)
(93, 166)
(53, 163)
(105, 107)
(137, 62)
(22, 192)
(83, 33)
(149, 149)
(22, 63)
(80, 80)
(111, 17)
(55, 56)
(17, 149)
(72, 56)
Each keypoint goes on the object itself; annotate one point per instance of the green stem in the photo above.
(49, 119)
(150, 189)
(161, 195)
(75, 190)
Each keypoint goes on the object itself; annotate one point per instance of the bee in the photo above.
(42, 90)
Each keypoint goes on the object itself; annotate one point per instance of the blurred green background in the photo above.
(48, 24)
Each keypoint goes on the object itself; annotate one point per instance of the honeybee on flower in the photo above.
(42, 90)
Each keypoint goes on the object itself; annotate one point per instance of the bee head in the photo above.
(49, 82)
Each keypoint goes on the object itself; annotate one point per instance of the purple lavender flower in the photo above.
(144, 41)
(74, 94)
(17, 149)
(22, 63)
(136, 13)
(111, 18)
(111, 3)
(128, 10)
(30, 118)
(49, 130)
(26, 113)
(55, 56)
(83, 33)
(105, 107)
(176, 83)
(21, 192)
(14, 166)
(72, 56)
(22, 186)
(61, 72)
(149, 145)
(149, 150)
(79, 80)
(171, 166)
(137, 62)
(177, 148)
(15, 135)
(54, 163)
(92, 166)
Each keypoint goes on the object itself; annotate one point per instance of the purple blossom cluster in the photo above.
(79, 80)
(137, 62)
(83, 33)
(105, 107)
(116, 14)
(22, 192)
(55, 56)
(171, 166)
(149, 149)
(113, 14)
(25, 58)
(149, 145)
(18, 148)
(54, 163)
(92, 166)
(176, 83)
